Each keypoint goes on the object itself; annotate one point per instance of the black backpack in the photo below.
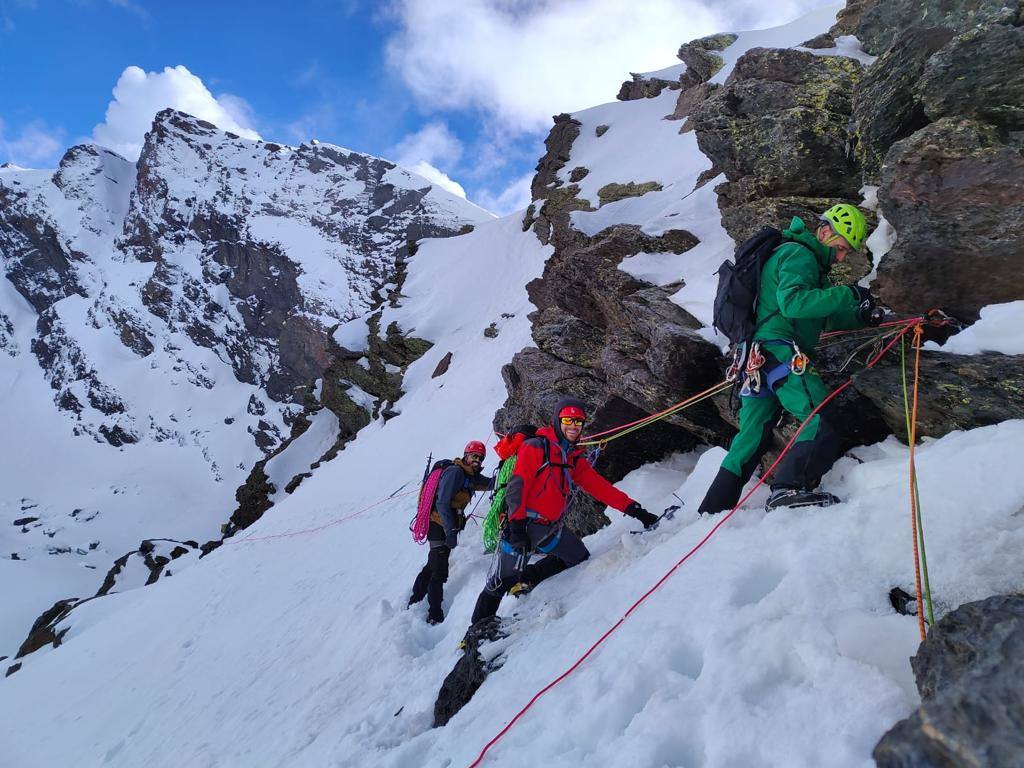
(739, 283)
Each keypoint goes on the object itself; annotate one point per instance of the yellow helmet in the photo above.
(848, 221)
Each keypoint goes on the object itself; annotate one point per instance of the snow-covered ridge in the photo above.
(160, 323)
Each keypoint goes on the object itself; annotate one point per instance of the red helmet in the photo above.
(572, 412)
(474, 446)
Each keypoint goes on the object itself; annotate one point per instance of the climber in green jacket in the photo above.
(796, 303)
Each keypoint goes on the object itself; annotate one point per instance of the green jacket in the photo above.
(797, 302)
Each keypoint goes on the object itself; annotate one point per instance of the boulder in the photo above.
(887, 106)
(643, 87)
(955, 194)
(701, 60)
(469, 671)
(881, 24)
(980, 73)
(781, 118)
(970, 673)
(956, 392)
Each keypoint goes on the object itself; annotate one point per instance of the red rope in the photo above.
(684, 558)
(319, 528)
(890, 324)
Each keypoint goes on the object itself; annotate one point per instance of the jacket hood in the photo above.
(799, 233)
(565, 402)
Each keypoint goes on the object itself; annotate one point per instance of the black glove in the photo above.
(460, 521)
(868, 310)
(634, 510)
(517, 533)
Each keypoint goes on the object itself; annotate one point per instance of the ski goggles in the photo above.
(565, 421)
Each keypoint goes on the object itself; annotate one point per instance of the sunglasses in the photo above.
(475, 458)
(567, 420)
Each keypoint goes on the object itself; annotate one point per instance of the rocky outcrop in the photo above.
(701, 58)
(644, 87)
(883, 21)
(558, 201)
(778, 129)
(54, 623)
(617, 343)
(469, 671)
(957, 392)
(887, 106)
(981, 74)
(376, 373)
(954, 191)
(970, 673)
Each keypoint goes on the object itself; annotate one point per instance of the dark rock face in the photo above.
(37, 263)
(778, 128)
(640, 87)
(957, 392)
(970, 673)
(559, 201)
(882, 22)
(955, 193)
(980, 73)
(469, 672)
(887, 107)
(701, 60)
(619, 345)
(43, 630)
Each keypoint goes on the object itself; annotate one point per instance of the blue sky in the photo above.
(464, 86)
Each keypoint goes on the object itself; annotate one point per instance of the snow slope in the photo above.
(291, 645)
(127, 417)
(774, 646)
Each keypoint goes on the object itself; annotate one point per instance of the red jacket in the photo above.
(546, 489)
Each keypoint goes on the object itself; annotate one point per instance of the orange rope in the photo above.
(913, 475)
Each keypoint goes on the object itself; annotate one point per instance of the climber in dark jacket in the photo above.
(548, 466)
(455, 490)
(795, 304)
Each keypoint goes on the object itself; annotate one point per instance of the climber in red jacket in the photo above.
(548, 467)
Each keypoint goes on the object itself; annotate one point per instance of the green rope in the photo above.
(653, 419)
(917, 492)
(492, 521)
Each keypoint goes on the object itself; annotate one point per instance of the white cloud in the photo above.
(430, 146)
(515, 197)
(435, 176)
(523, 61)
(139, 95)
(34, 145)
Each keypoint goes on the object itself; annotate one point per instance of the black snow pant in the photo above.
(430, 580)
(562, 549)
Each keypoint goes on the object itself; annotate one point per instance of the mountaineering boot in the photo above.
(434, 617)
(521, 588)
(794, 497)
(902, 602)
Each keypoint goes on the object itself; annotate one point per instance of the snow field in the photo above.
(774, 645)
